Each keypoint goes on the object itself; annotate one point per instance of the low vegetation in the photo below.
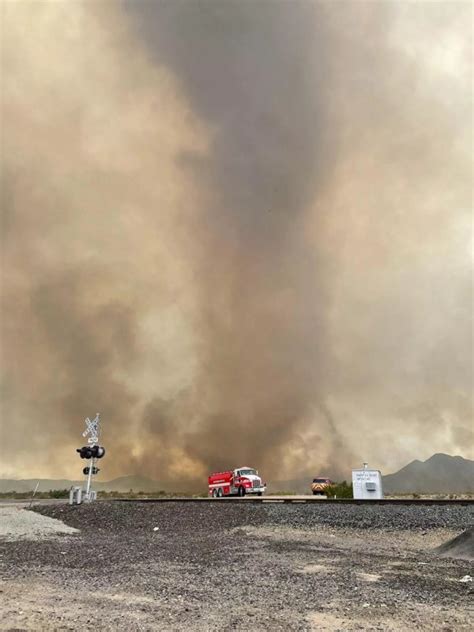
(52, 493)
(64, 493)
(158, 494)
(339, 490)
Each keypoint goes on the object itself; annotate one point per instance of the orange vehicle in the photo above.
(318, 486)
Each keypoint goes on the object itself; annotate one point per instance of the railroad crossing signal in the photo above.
(92, 451)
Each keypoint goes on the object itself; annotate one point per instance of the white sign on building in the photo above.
(367, 484)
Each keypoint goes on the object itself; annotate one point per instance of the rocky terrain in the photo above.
(236, 566)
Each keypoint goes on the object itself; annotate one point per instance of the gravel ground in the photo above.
(16, 523)
(234, 566)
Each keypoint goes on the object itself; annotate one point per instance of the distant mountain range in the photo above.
(440, 473)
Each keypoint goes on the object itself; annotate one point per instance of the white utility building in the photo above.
(367, 484)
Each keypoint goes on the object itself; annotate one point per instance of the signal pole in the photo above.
(89, 479)
(92, 428)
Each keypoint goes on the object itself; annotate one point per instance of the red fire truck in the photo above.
(238, 482)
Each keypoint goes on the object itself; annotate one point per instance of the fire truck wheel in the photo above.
(241, 490)
(220, 492)
(259, 493)
(214, 493)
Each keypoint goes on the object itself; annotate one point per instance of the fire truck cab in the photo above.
(238, 482)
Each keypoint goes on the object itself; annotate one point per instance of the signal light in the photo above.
(89, 452)
(97, 451)
(85, 452)
(86, 470)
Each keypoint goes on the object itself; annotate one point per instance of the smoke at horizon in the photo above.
(240, 231)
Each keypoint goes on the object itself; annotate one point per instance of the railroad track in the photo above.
(299, 500)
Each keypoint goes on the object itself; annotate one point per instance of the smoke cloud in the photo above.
(241, 231)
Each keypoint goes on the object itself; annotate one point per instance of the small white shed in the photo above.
(367, 483)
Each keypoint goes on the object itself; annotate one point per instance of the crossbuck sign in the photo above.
(92, 429)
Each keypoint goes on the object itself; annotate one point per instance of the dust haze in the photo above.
(241, 231)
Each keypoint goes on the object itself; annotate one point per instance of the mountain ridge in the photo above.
(440, 473)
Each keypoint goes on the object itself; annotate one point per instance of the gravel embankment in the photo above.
(177, 517)
(373, 517)
(234, 566)
(18, 524)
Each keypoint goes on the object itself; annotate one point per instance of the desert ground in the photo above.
(233, 566)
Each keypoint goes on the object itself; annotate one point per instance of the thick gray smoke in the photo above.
(240, 231)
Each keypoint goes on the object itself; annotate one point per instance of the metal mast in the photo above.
(92, 429)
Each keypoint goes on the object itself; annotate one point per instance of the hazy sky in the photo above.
(241, 230)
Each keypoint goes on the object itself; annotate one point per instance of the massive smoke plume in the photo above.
(239, 230)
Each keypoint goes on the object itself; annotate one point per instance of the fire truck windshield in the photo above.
(248, 472)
